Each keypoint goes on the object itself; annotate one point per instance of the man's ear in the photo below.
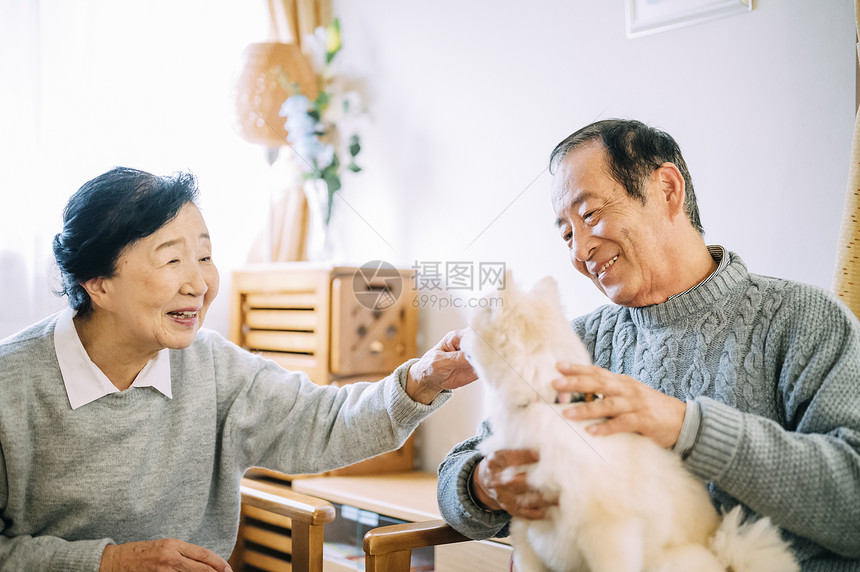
(672, 187)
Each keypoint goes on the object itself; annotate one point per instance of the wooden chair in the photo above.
(282, 508)
(389, 548)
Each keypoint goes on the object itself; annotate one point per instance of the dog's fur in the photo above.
(624, 503)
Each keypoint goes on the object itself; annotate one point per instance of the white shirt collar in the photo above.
(85, 382)
(718, 253)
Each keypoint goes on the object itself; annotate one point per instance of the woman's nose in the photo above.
(194, 283)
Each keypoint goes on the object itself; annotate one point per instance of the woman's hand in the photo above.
(444, 366)
(161, 555)
(499, 483)
(628, 405)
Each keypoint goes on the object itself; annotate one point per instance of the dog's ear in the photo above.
(509, 286)
(503, 294)
(546, 288)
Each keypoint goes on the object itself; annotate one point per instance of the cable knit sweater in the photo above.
(136, 465)
(774, 367)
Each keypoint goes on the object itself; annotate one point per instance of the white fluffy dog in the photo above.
(624, 503)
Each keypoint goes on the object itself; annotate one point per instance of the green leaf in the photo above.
(354, 145)
(354, 168)
(333, 41)
(333, 181)
(321, 101)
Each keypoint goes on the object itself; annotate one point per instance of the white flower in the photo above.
(323, 132)
(294, 104)
(314, 45)
(325, 156)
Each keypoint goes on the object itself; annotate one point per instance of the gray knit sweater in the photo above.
(774, 367)
(136, 465)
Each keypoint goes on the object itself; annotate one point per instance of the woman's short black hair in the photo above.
(635, 150)
(107, 214)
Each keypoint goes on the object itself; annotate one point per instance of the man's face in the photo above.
(615, 240)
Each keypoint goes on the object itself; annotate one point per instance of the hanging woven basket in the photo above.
(261, 89)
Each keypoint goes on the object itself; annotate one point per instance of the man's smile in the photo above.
(605, 266)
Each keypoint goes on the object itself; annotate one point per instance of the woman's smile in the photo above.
(186, 317)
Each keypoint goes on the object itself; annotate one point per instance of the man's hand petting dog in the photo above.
(627, 404)
(499, 483)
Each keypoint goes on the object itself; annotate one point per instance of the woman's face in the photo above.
(163, 285)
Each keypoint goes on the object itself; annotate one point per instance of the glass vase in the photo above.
(321, 243)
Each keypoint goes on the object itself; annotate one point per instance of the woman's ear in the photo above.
(97, 289)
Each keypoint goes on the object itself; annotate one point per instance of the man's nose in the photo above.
(581, 247)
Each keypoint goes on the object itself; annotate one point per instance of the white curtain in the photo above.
(86, 85)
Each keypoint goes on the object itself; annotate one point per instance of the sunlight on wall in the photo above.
(100, 83)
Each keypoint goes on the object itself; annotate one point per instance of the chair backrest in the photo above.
(389, 548)
(277, 506)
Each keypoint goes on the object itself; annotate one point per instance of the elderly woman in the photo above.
(125, 429)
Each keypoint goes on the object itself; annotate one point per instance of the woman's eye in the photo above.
(206, 259)
(174, 261)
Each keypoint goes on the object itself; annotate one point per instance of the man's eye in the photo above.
(206, 259)
(567, 236)
(174, 261)
(589, 217)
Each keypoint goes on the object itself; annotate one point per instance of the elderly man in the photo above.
(753, 381)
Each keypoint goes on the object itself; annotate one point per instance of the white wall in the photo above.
(82, 91)
(467, 99)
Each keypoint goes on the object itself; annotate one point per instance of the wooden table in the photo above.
(411, 497)
(407, 496)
